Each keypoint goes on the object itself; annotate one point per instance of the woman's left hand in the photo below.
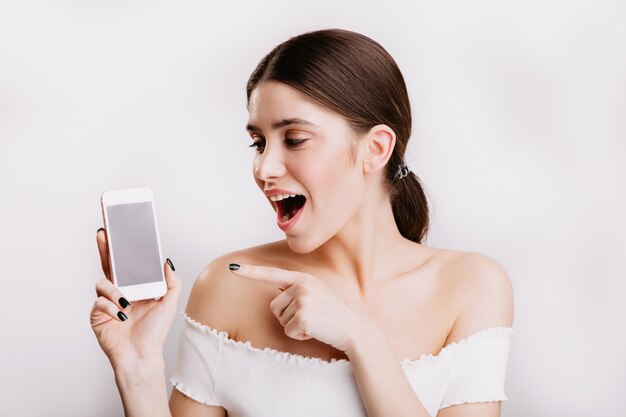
(307, 307)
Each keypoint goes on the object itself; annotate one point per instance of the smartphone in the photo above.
(134, 246)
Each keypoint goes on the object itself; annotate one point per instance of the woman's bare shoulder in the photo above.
(216, 298)
(473, 271)
(482, 291)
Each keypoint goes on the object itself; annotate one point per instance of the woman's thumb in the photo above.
(174, 284)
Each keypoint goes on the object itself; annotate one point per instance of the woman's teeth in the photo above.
(279, 197)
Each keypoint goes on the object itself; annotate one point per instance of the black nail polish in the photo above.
(234, 267)
(124, 302)
(102, 228)
(169, 262)
(121, 315)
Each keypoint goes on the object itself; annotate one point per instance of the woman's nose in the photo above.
(269, 165)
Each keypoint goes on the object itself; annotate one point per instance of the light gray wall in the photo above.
(519, 136)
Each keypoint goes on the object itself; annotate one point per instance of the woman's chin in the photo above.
(299, 244)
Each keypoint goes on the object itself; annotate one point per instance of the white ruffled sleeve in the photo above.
(198, 357)
(478, 367)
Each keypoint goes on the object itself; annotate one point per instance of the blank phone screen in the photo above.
(133, 237)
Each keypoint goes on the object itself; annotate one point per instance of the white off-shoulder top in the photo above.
(247, 381)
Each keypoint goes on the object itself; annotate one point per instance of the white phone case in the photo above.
(134, 245)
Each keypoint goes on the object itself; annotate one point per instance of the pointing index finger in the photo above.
(280, 278)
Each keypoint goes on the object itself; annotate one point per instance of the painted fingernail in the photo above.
(102, 228)
(124, 302)
(234, 267)
(121, 315)
(169, 262)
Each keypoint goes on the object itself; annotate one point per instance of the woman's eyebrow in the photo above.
(281, 123)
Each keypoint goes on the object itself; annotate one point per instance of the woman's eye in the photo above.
(294, 142)
(259, 145)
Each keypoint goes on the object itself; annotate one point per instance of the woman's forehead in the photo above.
(274, 105)
(272, 96)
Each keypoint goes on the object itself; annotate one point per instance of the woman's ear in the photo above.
(380, 142)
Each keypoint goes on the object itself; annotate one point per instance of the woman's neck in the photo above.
(367, 251)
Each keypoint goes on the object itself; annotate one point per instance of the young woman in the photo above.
(350, 314)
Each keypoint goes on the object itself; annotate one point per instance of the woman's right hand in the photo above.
(140, 336)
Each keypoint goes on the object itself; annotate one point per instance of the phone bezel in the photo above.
(147, 290)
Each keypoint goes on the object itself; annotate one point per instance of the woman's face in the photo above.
(304, 148)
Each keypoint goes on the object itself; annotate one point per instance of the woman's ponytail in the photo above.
(410, 207)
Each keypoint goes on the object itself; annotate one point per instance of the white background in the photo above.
(519, 136)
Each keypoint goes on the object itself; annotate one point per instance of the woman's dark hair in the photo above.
(356, 77)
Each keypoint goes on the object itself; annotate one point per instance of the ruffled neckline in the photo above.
(289, 356)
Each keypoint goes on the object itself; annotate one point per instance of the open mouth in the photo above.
(289, 207)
